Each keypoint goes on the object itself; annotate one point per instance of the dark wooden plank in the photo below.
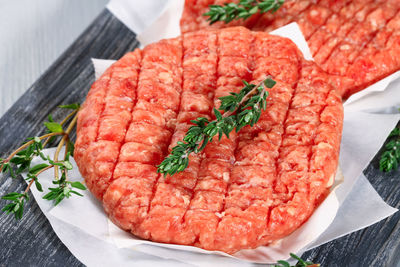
(32, 242)
(377, 245)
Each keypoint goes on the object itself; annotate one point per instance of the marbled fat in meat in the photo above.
(357, 42)
(248, 190)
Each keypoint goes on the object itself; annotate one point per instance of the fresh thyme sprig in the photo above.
(390, 158)
(243, 10)
(240, 109)
(17, 204)
(20, 161)
(300, 262)
(64, 188)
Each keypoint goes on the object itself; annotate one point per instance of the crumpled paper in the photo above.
(315, 226)
(151, 20)
(353, 205)
(83, 227)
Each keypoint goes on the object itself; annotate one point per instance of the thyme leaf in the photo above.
(17, 204)
(390, 158)
(74, 106)
(21, 160)
(240, 109)
(242, 10)
(300, 262)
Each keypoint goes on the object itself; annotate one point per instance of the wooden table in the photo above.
(32, 242)
(33, 35)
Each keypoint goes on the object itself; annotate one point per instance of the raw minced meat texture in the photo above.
(356, 41)
(250, 189)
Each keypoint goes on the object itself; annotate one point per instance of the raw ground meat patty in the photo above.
(356, 41)
(249, 190)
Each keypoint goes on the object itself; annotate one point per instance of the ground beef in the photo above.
(241, 192)
(356, 41)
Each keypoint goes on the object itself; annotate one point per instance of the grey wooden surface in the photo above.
(377, 245)
(31, 242)
(33, 34)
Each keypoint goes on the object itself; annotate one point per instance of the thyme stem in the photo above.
(33, 180)
(242, 10)
(61, 144)
(240, 109)
(21, 160)
(246, 97)
(61, 123)
(69, 116)
(26, 145)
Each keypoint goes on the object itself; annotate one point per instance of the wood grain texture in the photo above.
(33, 35)
(377, 245)
(32, 242)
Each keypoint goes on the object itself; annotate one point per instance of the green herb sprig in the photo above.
(20, 161)
(390, 158)
(241, 109)
(17, 204)
(243, 10)
(300, 262)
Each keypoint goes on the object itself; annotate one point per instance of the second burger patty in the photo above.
(356, 41)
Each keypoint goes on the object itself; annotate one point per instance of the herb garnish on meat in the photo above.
(241, 109)
(243, 10)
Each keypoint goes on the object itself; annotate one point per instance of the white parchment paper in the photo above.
(315, 226)
(84, 228)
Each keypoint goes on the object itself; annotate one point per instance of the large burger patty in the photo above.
(249, 190)
(356, 41)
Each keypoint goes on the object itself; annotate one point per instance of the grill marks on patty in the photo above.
(253, 188)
